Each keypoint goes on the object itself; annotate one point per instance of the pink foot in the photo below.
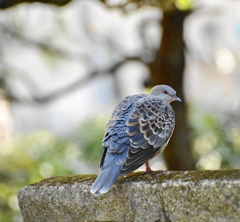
(148, 169)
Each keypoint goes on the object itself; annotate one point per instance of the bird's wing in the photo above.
(149, 127)
(116, 140)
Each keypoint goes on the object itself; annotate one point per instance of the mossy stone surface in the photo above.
(158, 196)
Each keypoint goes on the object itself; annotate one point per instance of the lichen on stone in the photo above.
(140, 196)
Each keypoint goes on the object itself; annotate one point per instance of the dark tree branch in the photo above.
(9, 3)
(47, 47)
(76, 84)
(37, 95)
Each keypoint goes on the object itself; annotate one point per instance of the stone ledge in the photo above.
(158, 196)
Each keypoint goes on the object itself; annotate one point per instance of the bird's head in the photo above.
(165, 92)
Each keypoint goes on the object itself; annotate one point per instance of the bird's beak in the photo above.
(177, 99)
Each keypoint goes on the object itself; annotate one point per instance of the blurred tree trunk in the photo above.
(168, 68)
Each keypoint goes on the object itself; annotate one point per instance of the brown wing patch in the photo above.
(151, 119)
(150, 125)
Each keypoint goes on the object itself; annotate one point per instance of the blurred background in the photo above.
(65, 64)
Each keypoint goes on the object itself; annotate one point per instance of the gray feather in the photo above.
(107, 177)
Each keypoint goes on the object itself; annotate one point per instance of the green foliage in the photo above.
(216, 142)
(26, 159)
(184, 4)
(91, 133)
(29, 158)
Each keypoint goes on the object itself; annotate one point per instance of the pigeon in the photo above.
(139, 129)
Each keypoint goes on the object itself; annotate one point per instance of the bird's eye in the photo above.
(165, 92)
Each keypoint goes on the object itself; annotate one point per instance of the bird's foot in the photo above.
(148, 169)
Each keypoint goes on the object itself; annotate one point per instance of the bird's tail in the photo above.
(107, 177)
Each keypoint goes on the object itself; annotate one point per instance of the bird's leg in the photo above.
(148, 169)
